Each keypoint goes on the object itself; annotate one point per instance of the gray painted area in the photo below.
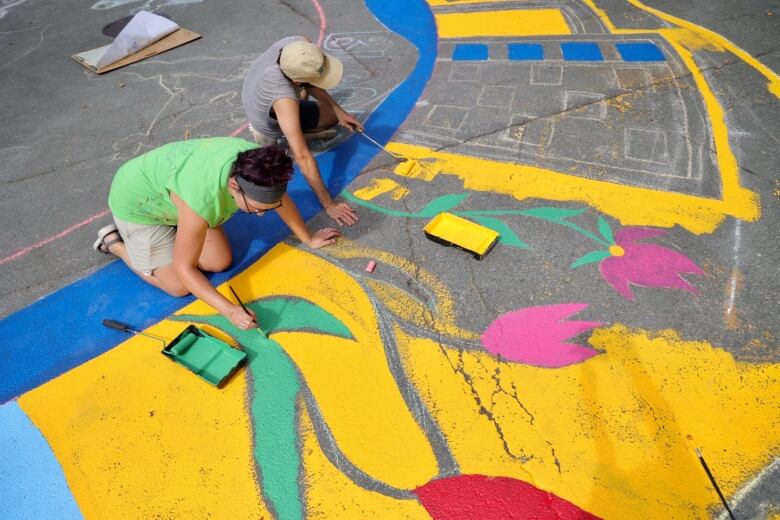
(66, 130)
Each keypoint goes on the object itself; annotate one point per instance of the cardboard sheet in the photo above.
(179, 37)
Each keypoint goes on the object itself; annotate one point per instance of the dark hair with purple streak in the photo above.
(267, 166)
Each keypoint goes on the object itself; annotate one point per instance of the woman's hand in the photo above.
(323, 237)
(347, 120)
(342, 213)
(242, 319)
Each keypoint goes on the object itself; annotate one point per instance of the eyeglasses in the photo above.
(258, 212)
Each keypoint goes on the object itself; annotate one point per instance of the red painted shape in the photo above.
(478, 497)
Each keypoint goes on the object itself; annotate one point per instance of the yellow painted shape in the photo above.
(427, 282)
(409, 309)
(331, 494)
(379, 187)
(139, 436)
(727, 163)
(350, 380)
(658, 208)
(617, 422)
(697, 38)
(773, 80)
(508, 22)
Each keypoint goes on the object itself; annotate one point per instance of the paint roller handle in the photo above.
(118, 325)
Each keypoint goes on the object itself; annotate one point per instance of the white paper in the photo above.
(144, 29)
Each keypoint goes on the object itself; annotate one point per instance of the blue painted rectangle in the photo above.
(470, 52)
(581, 51)
(525, 51)
(640, 51)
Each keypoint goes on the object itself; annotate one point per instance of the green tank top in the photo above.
(196, 170)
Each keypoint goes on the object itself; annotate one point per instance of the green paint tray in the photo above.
(208, 357)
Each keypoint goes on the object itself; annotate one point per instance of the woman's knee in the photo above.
(176, 292)
(216, 265)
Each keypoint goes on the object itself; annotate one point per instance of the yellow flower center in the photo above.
(616, 251)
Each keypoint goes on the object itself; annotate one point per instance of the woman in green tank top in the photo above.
(170, 203)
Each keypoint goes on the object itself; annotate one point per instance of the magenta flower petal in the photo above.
(634, 234)
(646, 264)
(535, 336)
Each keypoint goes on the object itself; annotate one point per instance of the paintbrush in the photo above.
(407, 166)
(238, 299)
(712, 479)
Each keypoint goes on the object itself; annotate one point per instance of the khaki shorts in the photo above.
(148, 247)
(262, 139)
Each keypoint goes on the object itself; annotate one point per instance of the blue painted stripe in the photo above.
(470, 52)
(32, 484)
(525, 51)
(581, 51)
(64, 329)
(640, 51)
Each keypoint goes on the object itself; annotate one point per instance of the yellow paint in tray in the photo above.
(450, 229)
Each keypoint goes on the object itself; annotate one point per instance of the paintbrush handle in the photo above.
(715, 484)
(388, 152)
(235, 294)
(246, 310)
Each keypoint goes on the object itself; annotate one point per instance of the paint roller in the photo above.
(407, 167)
(123, 327)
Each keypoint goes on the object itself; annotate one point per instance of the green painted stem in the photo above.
(584, 232)
(379, 209)
(479, 213)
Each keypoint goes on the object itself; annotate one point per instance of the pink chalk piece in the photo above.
(371, 266)
(535, 336)
(646, 264)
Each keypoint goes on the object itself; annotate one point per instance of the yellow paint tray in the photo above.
(451, 230)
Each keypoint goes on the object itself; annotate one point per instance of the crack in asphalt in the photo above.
(460, 369)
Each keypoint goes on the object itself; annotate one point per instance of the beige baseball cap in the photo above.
(304, 62)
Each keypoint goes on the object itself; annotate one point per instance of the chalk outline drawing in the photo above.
(638, 173)
(102, 5)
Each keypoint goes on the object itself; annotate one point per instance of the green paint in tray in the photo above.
(208, 357)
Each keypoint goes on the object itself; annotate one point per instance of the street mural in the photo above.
(410, 391)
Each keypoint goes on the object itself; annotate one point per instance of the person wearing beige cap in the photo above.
(274, 95)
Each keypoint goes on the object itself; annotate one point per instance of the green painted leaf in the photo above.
(606, 231)
(508, 236)
(593, 256)
(548, 213)
(441, 204)
(275, 388)
(296, 314)
(277, 314)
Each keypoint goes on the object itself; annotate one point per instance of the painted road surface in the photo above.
(625, 155)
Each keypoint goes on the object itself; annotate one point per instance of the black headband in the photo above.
(262, 194)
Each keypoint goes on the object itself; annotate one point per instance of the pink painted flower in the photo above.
(535, 336)
(650, 265)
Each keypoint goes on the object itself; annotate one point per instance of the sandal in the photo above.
(102, 245)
